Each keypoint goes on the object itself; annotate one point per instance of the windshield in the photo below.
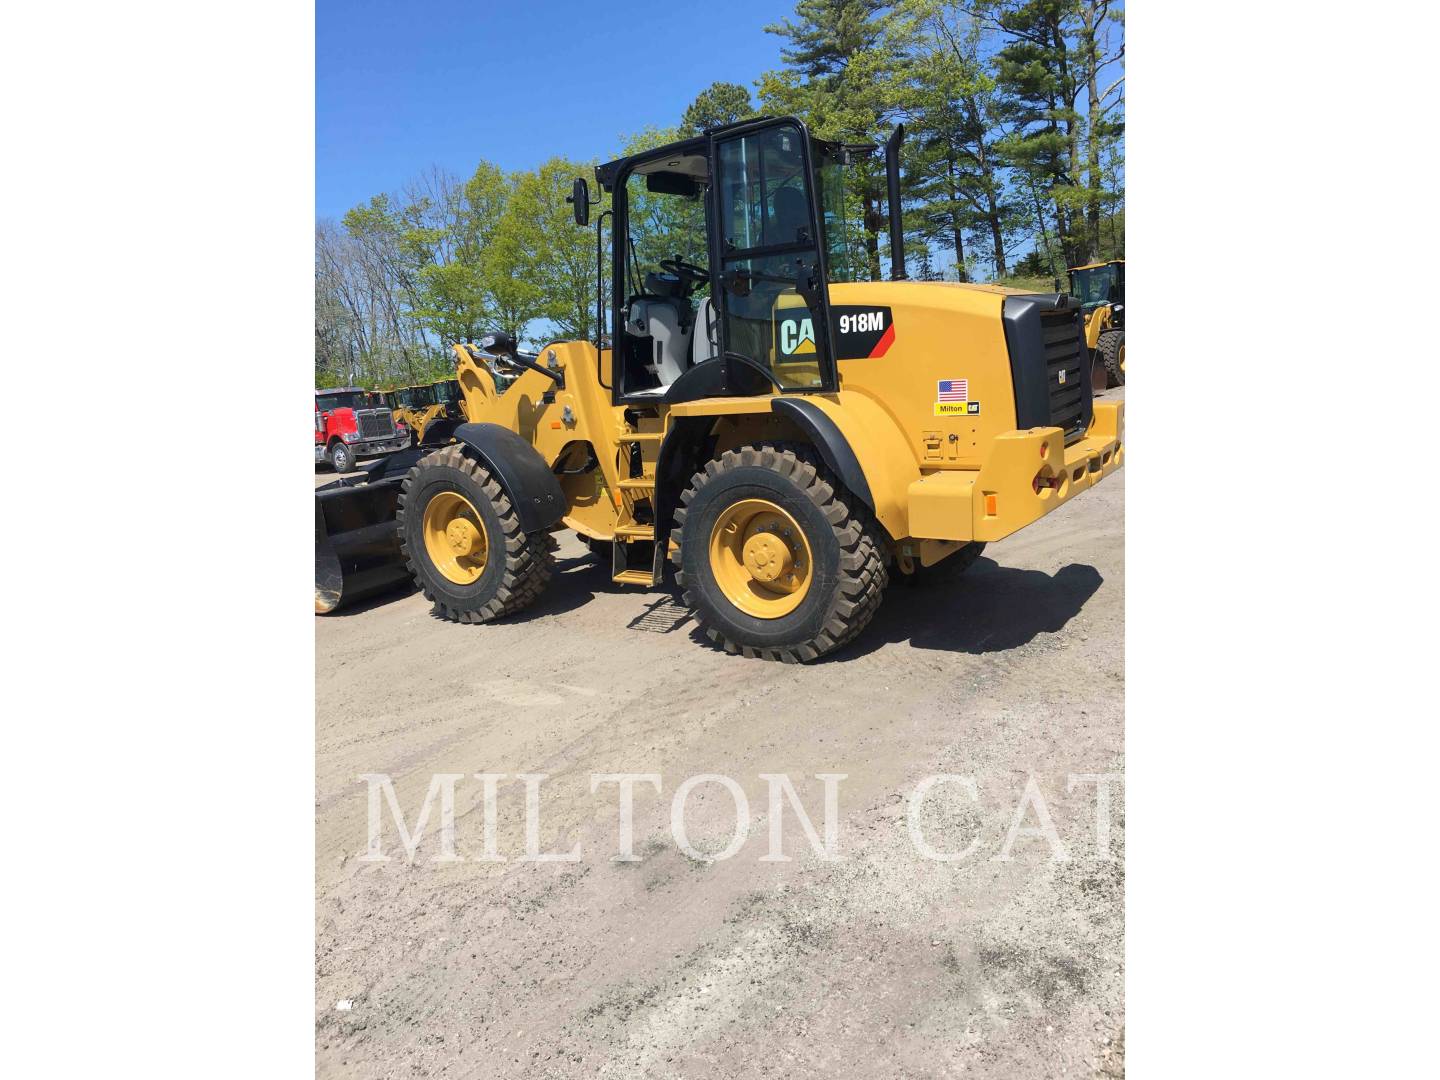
(1094, 286)
(663, 225)
(415, 397)
(354, 399)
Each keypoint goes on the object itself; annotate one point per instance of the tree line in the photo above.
(1013, 169)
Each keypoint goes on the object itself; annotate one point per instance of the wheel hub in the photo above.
(463, 537)
(760, 558)
(767, 558)
(455, 537)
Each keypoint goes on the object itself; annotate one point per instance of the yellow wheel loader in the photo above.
(782, 437)
(417, 406)
(1100, 288)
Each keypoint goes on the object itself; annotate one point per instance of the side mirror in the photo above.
(579, 199)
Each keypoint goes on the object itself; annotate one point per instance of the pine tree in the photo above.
(718, 104)
(842, 75)
(957, 120)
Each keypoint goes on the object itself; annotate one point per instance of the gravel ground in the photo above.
(878, 963)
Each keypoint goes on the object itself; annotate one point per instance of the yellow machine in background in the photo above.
(783, 438)
(420, 406)
(1100, 288)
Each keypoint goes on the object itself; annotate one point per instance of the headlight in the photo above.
(350, 436)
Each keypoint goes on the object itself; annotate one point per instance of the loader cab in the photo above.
(447, 393)
(1098, 284)
(718, 267)
(414, 397)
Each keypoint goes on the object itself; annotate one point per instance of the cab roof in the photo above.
(687, 156)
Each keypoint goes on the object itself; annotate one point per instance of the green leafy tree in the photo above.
(556, 255)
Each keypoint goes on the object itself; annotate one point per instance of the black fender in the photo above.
(520, 470)
(829, 441)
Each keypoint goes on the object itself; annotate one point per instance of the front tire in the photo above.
(1112, 350)
(775, 557)
(462, 541)
(341, 458)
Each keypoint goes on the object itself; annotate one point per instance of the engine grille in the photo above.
(375, 424)
(1065, 370)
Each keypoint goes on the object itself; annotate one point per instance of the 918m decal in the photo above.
(861, 332)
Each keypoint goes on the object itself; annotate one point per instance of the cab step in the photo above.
(636, 558)
(634, 577)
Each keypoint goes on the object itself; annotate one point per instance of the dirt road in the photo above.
(879, 963)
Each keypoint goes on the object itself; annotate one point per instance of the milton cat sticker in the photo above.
(952, 398)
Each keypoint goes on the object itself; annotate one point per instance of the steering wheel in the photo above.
(687, 272)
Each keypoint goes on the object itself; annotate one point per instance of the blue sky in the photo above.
(402, 86)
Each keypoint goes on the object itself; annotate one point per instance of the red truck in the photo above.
(351, 424)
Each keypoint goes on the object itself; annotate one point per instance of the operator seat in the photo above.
(663, 315)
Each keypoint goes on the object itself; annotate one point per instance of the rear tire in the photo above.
(1112, 350)
(845, 580)
(341, 458)
(517, 566)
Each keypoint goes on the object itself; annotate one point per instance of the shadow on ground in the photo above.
(989, 608)
(986, 609)
(577, 581)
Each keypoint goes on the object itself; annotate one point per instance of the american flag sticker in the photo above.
(953, 390)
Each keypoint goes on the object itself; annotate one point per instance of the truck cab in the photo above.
(349, 426)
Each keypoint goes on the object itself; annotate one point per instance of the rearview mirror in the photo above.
(579, 198)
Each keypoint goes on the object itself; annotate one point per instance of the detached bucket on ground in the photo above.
(357, 544)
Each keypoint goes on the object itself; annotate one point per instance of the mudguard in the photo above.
(830, 441)
(521, 471)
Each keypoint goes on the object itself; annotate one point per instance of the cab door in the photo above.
(768, 265)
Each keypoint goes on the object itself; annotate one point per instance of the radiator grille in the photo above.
(375, 424)
(1065, 370)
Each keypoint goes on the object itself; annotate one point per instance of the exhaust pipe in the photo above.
(892, 184)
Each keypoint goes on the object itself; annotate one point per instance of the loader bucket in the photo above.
(357, 543)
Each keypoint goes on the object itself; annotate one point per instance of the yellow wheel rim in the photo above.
(761, 558)
(455, 537)
(1122, 356)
